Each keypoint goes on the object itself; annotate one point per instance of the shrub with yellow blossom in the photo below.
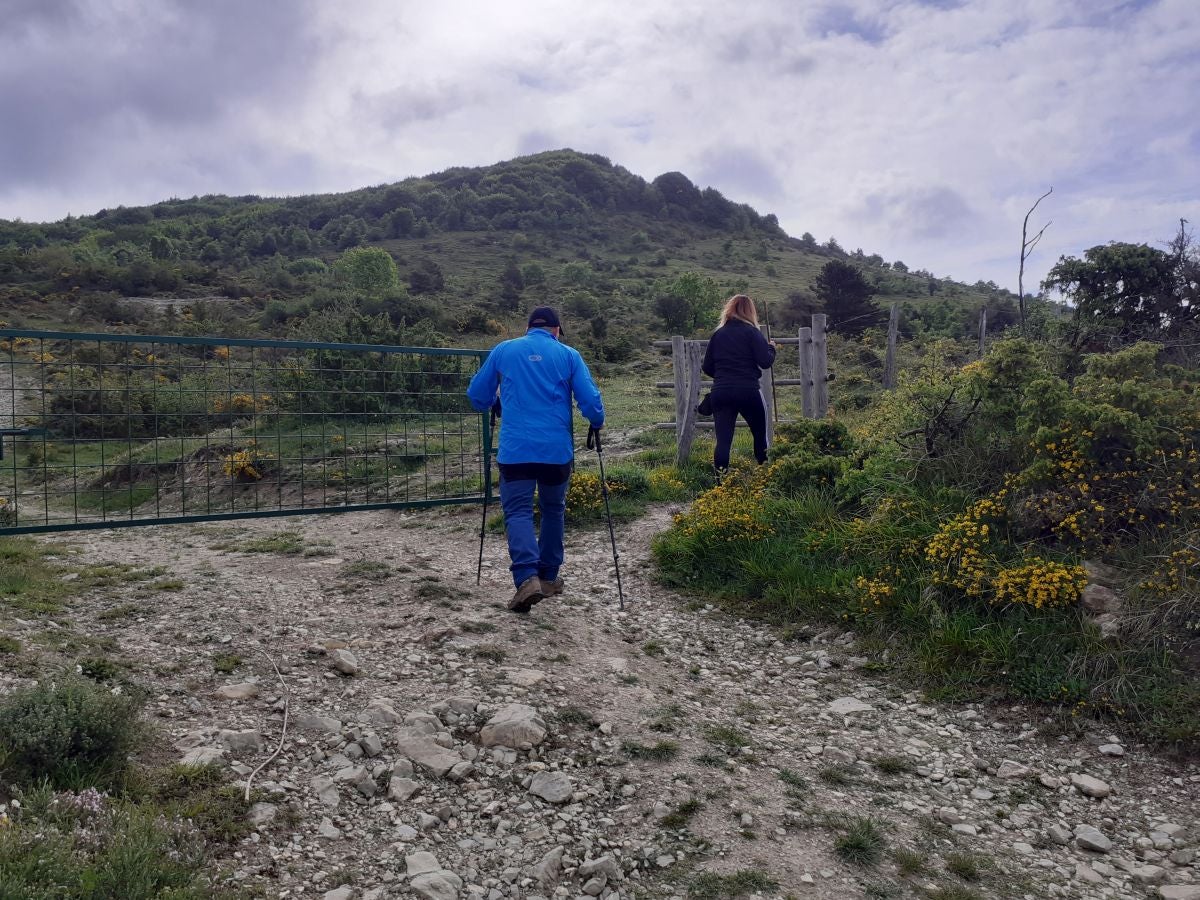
(249, 464)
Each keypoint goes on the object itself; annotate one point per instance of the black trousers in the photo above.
(729, 403)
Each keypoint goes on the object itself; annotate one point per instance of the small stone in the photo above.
(1010, 769)
(329, 831)
(525, 678)
(426, 822)
(1048, 781)
(1179, 892)
(965, 828)
(436, 886)
(1059, 834)
(326, 791)
(203, 756)
(981, 794)
(245, 691)
(1090, 838)
(380, 712)
(262, 813)
(546, 871)
(554, 787)
(949, 816)
(665, 861)
(421, 862)
(605, 864)
(248, 741)
(595, 885)
(1112, 749)
(845, 706)
(515, 726)
(1149, 874)
(402, 788)
(345, 892)
(1084, 872)
(1091, 787)
(344, 661)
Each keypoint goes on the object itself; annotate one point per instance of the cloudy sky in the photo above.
(918, 129)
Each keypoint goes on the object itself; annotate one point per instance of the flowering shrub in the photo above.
(248, 465)
(1039, 583)
(584, 497)
(241, 404)
(730, 512)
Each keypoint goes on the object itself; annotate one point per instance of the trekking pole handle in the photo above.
(593, 438)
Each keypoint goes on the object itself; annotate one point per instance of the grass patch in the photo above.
(28, 581)
(728, 738)
(660, 751)
(953, 892)
(226, 663)
(120, 611)
(479, 627)
(200, 795)
(894, 765)
(9, 645)
(490, 653)
(681, 814)
(653, 648)
(861, 842)
(909, 862)
(366, 570)
(85, 846)
(575, 715)
(710, 760)
(837, 775)
(795, 785)
(288, 543)
(966, 865)
(710, 886)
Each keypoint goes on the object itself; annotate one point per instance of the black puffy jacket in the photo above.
(736, 355)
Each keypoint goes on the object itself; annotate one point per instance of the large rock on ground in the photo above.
(516, 725)
(421, 749)
(436, 885)
(554, 787)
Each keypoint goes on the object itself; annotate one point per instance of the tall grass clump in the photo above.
(963, 521)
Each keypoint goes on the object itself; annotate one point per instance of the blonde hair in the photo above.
(742, 308)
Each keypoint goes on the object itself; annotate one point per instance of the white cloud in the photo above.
(918, 130)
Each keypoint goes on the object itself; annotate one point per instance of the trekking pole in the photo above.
(774, 400)
(487, 488)
(593, 441)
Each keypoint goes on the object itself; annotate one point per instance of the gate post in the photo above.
(806, 371)
(820, 366)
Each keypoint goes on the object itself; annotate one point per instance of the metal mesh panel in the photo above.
(102, 430)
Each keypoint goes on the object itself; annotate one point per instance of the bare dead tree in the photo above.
(1027, 245)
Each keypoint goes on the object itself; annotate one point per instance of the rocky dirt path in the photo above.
(670, 750)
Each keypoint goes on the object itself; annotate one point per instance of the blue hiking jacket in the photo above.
(537, 377)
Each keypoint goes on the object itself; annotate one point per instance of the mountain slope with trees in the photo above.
(472, 248)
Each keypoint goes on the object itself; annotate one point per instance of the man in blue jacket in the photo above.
(537, 377)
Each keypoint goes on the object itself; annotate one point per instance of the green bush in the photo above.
(67, 731)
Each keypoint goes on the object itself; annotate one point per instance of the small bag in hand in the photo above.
(705, 406)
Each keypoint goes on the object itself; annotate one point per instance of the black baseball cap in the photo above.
(544, 317)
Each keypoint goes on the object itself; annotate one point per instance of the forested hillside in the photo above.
(472, 249)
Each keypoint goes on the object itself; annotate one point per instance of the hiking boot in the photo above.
(529, 593)
(552, 588)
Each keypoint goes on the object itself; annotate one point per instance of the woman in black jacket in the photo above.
(736, 355)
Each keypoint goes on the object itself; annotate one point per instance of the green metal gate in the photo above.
(112, 430)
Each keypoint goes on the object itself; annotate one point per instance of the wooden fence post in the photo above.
(982, 331)
(889, 364)
(820, 366)
(679, 371)
(806, 371)
(766, 387)
(693, 356)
